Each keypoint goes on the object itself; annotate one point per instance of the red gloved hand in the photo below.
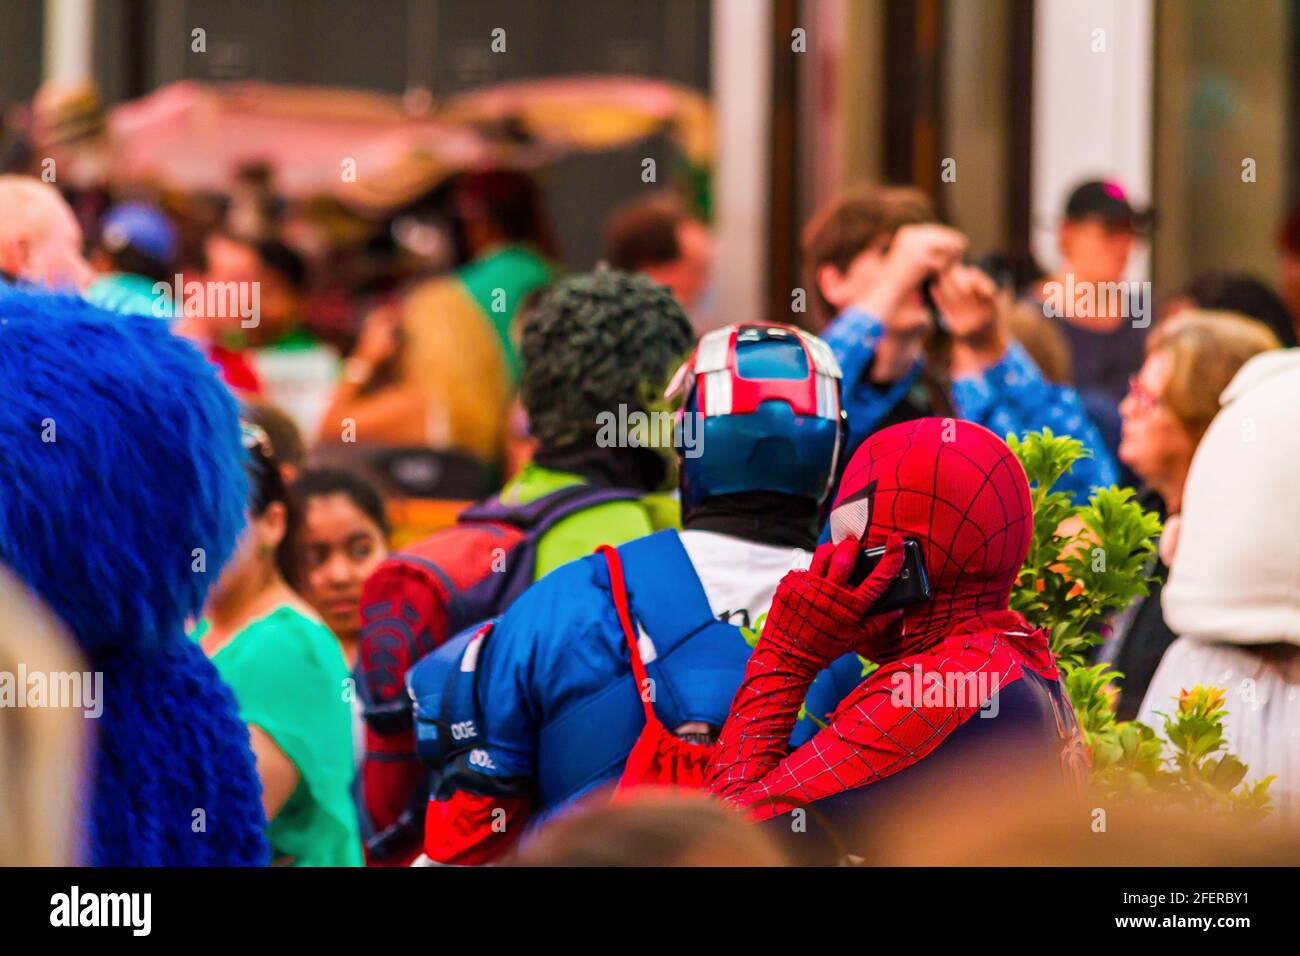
(816, 617)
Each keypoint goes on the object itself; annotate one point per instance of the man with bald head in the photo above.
(40, 239)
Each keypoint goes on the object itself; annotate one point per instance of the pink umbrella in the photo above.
(354, 146)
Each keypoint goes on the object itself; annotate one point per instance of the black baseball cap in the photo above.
(1105, 200)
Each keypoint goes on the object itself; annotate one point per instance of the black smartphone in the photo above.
(912, 586)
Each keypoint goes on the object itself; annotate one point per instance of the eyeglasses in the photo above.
(1146, 399)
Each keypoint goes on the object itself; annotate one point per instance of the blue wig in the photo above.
(122, 494)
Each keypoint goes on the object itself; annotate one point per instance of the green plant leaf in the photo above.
(1087, 561)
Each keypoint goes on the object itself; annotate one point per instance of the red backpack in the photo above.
(457, 577)
(658, 758)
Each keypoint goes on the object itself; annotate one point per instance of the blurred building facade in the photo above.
(996, 107)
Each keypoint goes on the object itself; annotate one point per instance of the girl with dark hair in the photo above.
(342, 539)
(289, 679)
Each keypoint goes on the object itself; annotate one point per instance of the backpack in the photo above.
(696, 660)
(458, 576)
(658, 758)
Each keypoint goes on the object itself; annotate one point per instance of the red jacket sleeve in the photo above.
(885, 725)
(469, 830)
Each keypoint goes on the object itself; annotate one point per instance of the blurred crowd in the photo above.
(453, 358)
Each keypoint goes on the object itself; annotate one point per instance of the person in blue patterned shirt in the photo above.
(868, 257)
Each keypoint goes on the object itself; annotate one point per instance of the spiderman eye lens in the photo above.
(849, 520)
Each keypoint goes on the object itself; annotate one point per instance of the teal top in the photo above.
(129, 294)
(290, 679)
(498, 283)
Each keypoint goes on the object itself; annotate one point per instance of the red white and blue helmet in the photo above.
(760, 411)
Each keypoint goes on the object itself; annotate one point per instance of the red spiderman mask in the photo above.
(956, 488)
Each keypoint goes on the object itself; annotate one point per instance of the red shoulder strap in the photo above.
(619, 589)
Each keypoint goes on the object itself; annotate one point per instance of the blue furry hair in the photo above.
(120, 456)
(170, 745)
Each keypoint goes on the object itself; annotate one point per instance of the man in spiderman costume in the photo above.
(946, 662)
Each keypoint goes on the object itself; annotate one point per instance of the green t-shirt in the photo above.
(290, 679)
(579, 534)
(499, 282)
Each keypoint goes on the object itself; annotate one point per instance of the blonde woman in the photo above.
(1190, 360)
